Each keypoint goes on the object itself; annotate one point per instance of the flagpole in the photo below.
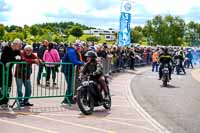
(119, 22)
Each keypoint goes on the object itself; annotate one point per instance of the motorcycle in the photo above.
(89, 95)
(165, 75)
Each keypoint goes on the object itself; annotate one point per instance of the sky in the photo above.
(95, 13)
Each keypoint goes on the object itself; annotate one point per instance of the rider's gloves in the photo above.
(94, 73)
(80, 76)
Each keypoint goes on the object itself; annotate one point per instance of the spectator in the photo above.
(23, 74)
(71, 56)
(61, 50)
(114, 61)
(10, 53)
(155, 60)
(51, 56)
(132, 59)
(189, 58)
(40, 54)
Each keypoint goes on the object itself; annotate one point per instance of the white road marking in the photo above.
(128, 124)
(74, 124)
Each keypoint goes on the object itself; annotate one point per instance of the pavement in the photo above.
(49, 116)
(176, 106)
(196, 74)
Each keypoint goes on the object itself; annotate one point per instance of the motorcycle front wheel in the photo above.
(85, 102)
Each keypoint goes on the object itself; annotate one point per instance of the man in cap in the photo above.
(73, 56)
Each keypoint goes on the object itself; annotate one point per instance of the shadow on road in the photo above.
(170, 86)
(6, 114)
(35, 110)
(99, 113)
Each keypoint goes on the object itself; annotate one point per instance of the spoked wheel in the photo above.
(85, 102)
(107, 100)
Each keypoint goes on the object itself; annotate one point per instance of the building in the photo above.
(109, 34)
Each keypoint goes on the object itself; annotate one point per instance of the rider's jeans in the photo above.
(103, 84)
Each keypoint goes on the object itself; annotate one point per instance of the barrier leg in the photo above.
(16, 102)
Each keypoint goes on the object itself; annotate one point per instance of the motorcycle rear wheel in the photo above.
(165, 83)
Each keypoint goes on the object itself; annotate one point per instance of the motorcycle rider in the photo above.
(165, 58)
(95, 68)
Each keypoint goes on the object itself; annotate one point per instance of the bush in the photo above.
(92, 39)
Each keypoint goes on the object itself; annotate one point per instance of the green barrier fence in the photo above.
(2, 81)
(25, 76)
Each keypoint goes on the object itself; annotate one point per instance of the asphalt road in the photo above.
(176, 107)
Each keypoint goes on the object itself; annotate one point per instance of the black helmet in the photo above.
(91, 54)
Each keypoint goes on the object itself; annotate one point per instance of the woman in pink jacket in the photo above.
(50, 56)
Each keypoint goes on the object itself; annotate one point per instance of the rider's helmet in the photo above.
(91, 54)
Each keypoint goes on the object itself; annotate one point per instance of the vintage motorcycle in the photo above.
(89, 95)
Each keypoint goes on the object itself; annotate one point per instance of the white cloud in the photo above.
(34, 11)
(26, 12)
(175, 7)
(109, 12)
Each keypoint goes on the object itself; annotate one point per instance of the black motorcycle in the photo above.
(165, 75)
(89, 95)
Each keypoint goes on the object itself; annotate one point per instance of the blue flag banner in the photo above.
(124, 38)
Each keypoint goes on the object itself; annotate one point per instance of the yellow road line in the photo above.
(75, 124)
(27, 126)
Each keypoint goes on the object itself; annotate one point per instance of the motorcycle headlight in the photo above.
(85, 83)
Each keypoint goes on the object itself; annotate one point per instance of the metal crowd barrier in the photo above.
(122, 63)
(2, 81)
(21, 71)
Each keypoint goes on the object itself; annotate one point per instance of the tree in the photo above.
(34, 30)
(166, 30)
(12, 35)
(76, 31)
(2, 31)
(136, 36)
(66, 33)
(192, 33)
